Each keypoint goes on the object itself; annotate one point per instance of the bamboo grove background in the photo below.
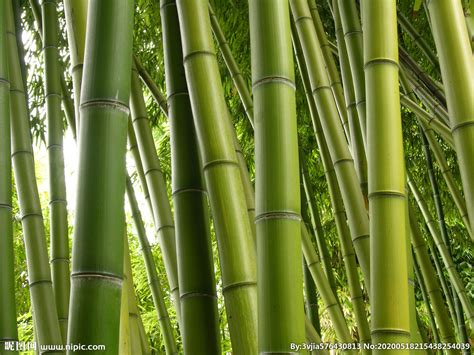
(299, 170)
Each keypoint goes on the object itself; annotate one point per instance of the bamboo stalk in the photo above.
(278, 215)
(429, 119)
(57, 183)
(200, 318)
(152, 275)
(160, 99)
(333, 132)
(133, 315)
(357, 138)
(426, 301)
(76, 14)
(333, 75)
(444, 252)
(222, 176)
(387, 198)
(461, 326)
(353, 38)
(330, 301)
(455, 57)
(8, 327)
(337, 203)
(232, 66)
(97, 268)
(162, 216)
(418, 39)
(68, 104)
(316, 222)
(441, 159)
(39, 273)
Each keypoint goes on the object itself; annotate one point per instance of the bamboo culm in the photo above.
(97, 264)
(57, 182)
(198, 297)
(8, 327)
(39, 274)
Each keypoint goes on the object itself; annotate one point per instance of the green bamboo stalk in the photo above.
(440, 158)
(39, 274)
(387, 197)
(444, 252)
(444, 285)
(311, 298)
(57, 183)
(461, 326)
(150, 84)
(418, 39)
(133, 314)
(162, 215)
(143, 337)
(353, 38)
(68, 104)
(455, 57)
(124, 332)
(8, 328)
(429, 119)
(333, 74)
(357, 139)
(415, 334)
(247, 103)
(313, 337)
(327, 295)
(426, 301)
(316, 223)
(222, 176)
(337, 203)
(278, 215)
(153, 279)
(97, 267)
(200, 318)
(333, 132)
(433, 87)
(232, 66)
(76, 15)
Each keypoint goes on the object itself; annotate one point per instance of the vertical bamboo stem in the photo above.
(387, 198)
(39, 273)
(200, 318)
(8, 328)
(97, 266)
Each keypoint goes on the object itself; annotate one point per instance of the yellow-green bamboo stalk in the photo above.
(330, 301)
(333, 74)
(389, 296)
(162, 216)
(334, 134)
(431, 282)
(457, 70)
(348, 254)
(353, 38)
(222, 176)
(444, 252)
(357, 139)
(440, 158)
(278, 215)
